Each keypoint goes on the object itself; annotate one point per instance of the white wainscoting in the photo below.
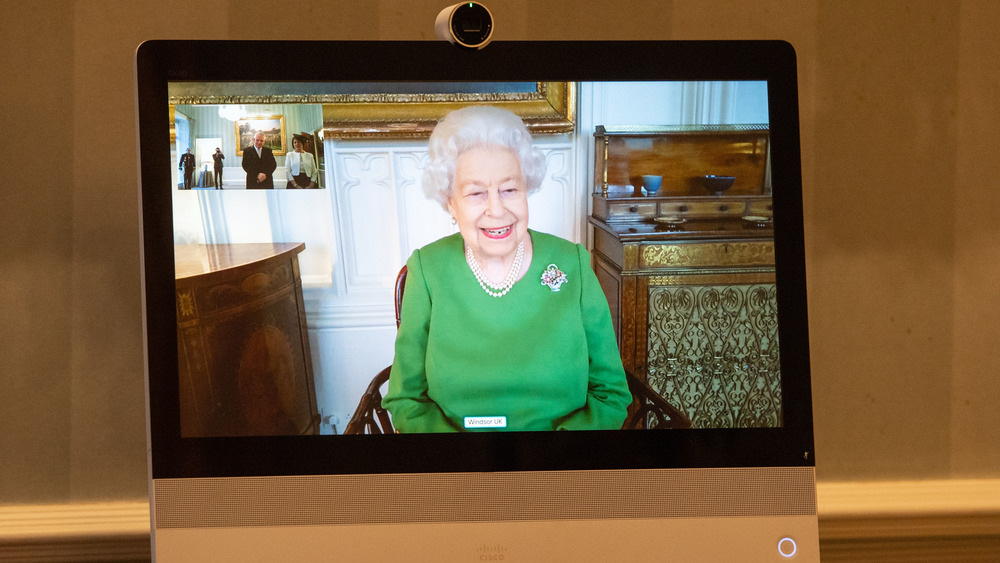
(235, 178)
(935, 520)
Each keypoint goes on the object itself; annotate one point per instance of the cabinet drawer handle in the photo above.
(633, 209)
(723, 208)
(682, 208)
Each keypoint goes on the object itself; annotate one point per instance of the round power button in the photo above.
(787, 547)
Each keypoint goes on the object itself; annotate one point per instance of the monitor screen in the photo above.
(282, 197)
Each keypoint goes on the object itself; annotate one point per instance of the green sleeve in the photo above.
(411, 408)
(608, 396)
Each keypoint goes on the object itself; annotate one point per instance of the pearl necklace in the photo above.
(508, 282)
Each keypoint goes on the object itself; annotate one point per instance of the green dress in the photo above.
(534, 359)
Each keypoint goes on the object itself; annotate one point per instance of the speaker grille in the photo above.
(482, 497)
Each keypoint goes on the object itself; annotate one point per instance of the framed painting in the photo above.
(272, 126)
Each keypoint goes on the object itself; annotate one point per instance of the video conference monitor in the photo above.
(283, 189)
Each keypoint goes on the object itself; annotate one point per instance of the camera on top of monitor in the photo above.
(467, 24)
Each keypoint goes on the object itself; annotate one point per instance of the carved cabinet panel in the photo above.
(244, 362)
(712, 351)
(699, 323)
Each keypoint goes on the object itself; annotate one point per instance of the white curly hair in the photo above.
(478, 127)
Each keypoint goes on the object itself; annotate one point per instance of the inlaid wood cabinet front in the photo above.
(244, 361)
(689, 275)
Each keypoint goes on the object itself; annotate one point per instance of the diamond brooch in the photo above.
(553, 277)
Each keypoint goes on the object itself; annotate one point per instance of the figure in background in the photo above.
(300, 166)
(259, 164)
(502, 327)
(218, 157)
(187, 164)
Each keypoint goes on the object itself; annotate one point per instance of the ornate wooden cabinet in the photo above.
(244, 362)
(689, 274)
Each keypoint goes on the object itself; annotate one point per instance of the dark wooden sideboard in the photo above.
(244, 363)
(689, 274)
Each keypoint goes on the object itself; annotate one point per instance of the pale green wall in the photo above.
(898, 103)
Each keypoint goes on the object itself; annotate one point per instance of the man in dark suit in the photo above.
(259, 164)
(187, 164)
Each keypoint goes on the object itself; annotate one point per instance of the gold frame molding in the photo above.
(547, 110)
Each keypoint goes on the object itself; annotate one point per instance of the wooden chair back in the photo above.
(370, 417)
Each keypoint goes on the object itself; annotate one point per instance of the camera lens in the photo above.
(471, 24)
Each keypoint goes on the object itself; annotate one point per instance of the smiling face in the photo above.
(258, 140)
(489, 201)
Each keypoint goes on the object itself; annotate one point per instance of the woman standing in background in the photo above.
(300, 166)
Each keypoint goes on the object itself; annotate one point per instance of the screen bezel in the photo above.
(161, 62)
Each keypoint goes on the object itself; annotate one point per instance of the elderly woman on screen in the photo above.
(502, 327)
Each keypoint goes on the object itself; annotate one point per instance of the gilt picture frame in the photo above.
(272, 126)
(396, 109)
(545, 108)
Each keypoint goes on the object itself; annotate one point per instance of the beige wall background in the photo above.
(899, 100)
